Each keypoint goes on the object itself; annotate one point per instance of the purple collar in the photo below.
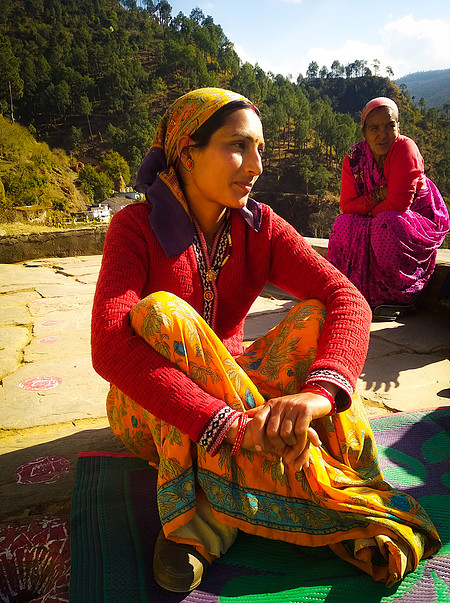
(173, 226)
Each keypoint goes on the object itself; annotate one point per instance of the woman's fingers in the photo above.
(281, 429)
(313, 437)
(298, 456)
(274, 430)
(298, 459)
(255, 436)
(266, 430)
(287, 432)
(288, 422)
(251, 412)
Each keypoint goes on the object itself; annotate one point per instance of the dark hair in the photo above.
(203, 134)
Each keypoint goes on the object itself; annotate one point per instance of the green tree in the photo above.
(116, 168)
(151, 8)
(326, 127)
(319, 180)
(337, 70)
(62, 96)
(134, 142)
(350, 70)
(345, 135)
(85, 108)
(312, 70)
(422, 105)
(96, 185)
(376, 67)
(11, 84)
(245, 82)
(197, 15)
(433, 115)
(164, 11)
(76, 136)
(301, 132)
(305, 166)
(323, 73)
(404, 89)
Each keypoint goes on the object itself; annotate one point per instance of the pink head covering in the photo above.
(380, 101)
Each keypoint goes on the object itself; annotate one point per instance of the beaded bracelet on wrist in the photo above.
(316, 388)
(242, 424)
(217, 428)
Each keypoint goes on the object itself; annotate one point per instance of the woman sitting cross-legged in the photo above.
(270, 440)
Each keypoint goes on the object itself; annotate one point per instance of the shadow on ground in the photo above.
(39, 479)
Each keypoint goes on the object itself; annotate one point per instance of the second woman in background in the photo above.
(394, 218)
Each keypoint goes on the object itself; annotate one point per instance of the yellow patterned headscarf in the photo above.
(184, 116)
(157, 178)
(187, 114)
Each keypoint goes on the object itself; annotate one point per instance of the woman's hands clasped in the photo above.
(283, 426)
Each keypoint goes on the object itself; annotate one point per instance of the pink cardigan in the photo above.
(134, 265)
(404, 172)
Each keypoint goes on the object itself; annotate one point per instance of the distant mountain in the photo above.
(433, 86)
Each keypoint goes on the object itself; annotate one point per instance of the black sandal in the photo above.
(390, 313)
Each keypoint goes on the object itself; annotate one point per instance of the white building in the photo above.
(107, 208)
(101, 212)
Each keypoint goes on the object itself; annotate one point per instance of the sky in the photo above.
(285, 36)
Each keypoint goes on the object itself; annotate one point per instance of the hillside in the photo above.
(93, 77)
(433, 86)
(32, 174)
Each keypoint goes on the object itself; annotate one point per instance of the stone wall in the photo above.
(90, 241)
(430, 298)
(55, 244)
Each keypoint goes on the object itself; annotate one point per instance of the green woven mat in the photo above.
(115, 523)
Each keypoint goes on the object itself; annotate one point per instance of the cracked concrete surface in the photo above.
(52, 403)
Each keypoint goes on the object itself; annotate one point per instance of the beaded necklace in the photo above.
(210, 262)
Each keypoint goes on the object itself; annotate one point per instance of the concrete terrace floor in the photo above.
(52, 403)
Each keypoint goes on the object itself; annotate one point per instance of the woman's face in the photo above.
(380, 130)
(226, 169)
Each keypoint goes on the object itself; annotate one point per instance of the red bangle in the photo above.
(242, 424)
(315, 388)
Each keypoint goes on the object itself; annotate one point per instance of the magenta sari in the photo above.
(389, 258)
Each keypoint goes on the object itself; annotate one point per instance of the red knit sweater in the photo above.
(134, 265)
(404, 172)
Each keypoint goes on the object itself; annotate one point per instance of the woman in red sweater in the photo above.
(394, 218)
(272, 439)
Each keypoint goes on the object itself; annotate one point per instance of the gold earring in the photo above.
(189, 165)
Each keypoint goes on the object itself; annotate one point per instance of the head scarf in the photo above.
(157, 178)
(380, 101)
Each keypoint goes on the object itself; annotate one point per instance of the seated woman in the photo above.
(394, 218)
(271, 440)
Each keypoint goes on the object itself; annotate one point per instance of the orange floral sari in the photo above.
(341, 500)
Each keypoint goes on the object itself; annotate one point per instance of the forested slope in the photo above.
(428, 89)
(92, 77)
